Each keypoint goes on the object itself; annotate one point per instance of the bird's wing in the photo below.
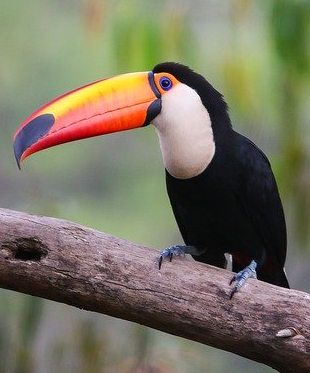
(261, 199)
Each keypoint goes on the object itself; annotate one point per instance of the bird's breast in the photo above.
(185, 133)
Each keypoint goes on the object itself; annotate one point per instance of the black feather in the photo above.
(233, 206)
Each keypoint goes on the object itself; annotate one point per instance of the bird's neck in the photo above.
(185, 137)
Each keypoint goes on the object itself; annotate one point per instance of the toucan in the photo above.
(220, 184)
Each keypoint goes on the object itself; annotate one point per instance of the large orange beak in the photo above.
(115, 104)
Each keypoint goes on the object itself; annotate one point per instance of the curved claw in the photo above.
(242, 276)
(233, 291)
(170, 252)
(234, 278)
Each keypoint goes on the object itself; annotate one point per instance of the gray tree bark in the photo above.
(72, 264)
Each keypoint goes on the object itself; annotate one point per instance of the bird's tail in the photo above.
(283, 279)
(276, 277)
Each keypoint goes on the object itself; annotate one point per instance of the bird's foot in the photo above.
(242, 276)
(176, 250)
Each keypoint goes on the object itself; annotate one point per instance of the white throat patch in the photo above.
(185, 132)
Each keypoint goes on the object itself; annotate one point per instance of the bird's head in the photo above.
(180, 103)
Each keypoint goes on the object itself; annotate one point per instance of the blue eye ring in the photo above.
(165, 83)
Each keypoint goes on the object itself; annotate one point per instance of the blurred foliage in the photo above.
(31, 310)
(291, 39)
(289, 29)
(256, 53)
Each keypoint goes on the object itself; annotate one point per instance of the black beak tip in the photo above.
(18, 151)
(31, 133)
(17, 158)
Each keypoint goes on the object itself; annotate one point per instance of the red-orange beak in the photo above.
(115, 104)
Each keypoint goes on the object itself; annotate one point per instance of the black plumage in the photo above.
(233, 206)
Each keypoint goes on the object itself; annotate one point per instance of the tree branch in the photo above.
(68, 263)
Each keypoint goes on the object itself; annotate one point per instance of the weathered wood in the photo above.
(68, 263)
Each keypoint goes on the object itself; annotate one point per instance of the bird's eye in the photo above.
(165, 83)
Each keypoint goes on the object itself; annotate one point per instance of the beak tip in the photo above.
(31, 133)
(17, 153)
(18, 163)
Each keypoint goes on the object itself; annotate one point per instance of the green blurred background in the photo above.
(257, 53)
